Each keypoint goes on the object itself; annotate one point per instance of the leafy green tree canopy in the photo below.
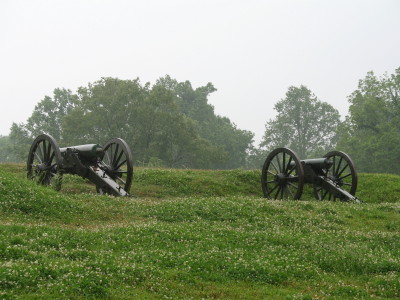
(6, 152)
(303, 123)
(231, 143)
(169, 123)
(48, 113)
(371, 132)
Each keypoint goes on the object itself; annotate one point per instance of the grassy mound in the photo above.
(167, 183)
(201, 234)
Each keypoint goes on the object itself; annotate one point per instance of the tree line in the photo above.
(171, 124)
(167, 124)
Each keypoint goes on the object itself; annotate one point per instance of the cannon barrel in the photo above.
(317, 163)
(89, 151)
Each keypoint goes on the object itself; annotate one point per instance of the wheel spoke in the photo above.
(37, 157)
(290, 191)
(288, 165)
(119, 157)
(279, 164)
(107, 161)
(338, 166)
(291, 170)
(343, 177)
(115, 154)
(41, 176)
(117, 167)
(40, 152)
(51, 157)
(277, 193)
(53, 165)
(48, 152)
(44, 150)
(111, 154)
(273, 189)
(340, 173)
(272, 163)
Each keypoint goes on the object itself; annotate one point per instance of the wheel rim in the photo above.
(119, 163)
(282, 175)
(342, 172)
(44, 160)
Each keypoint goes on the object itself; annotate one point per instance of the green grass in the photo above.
(196, 234)
(167, 183)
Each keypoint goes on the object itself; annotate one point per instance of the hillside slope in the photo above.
(174, 244)
(163, 183)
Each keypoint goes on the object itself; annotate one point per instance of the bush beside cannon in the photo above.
(333, 176)
(109, 167)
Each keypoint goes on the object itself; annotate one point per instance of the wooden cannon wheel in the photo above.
(44, 160)
(282, 175)
(342, 173)
(119, 162)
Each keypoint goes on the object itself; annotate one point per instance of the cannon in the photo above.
(109, 167)
(333, 176)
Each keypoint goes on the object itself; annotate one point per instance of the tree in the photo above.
(6, 151)
(105, 109)
(303, 123)
(47, 117)
(169, 123)
(232, 143)
(48, 114)
(19, 141)
(371, 132)
(148, 118)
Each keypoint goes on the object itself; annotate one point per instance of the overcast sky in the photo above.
(252, 51)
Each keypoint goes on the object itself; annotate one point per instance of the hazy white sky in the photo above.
(252, 51)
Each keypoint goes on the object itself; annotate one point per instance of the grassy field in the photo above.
(196, 234)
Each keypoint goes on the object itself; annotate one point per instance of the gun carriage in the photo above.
(109, 167)
(333, 176)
